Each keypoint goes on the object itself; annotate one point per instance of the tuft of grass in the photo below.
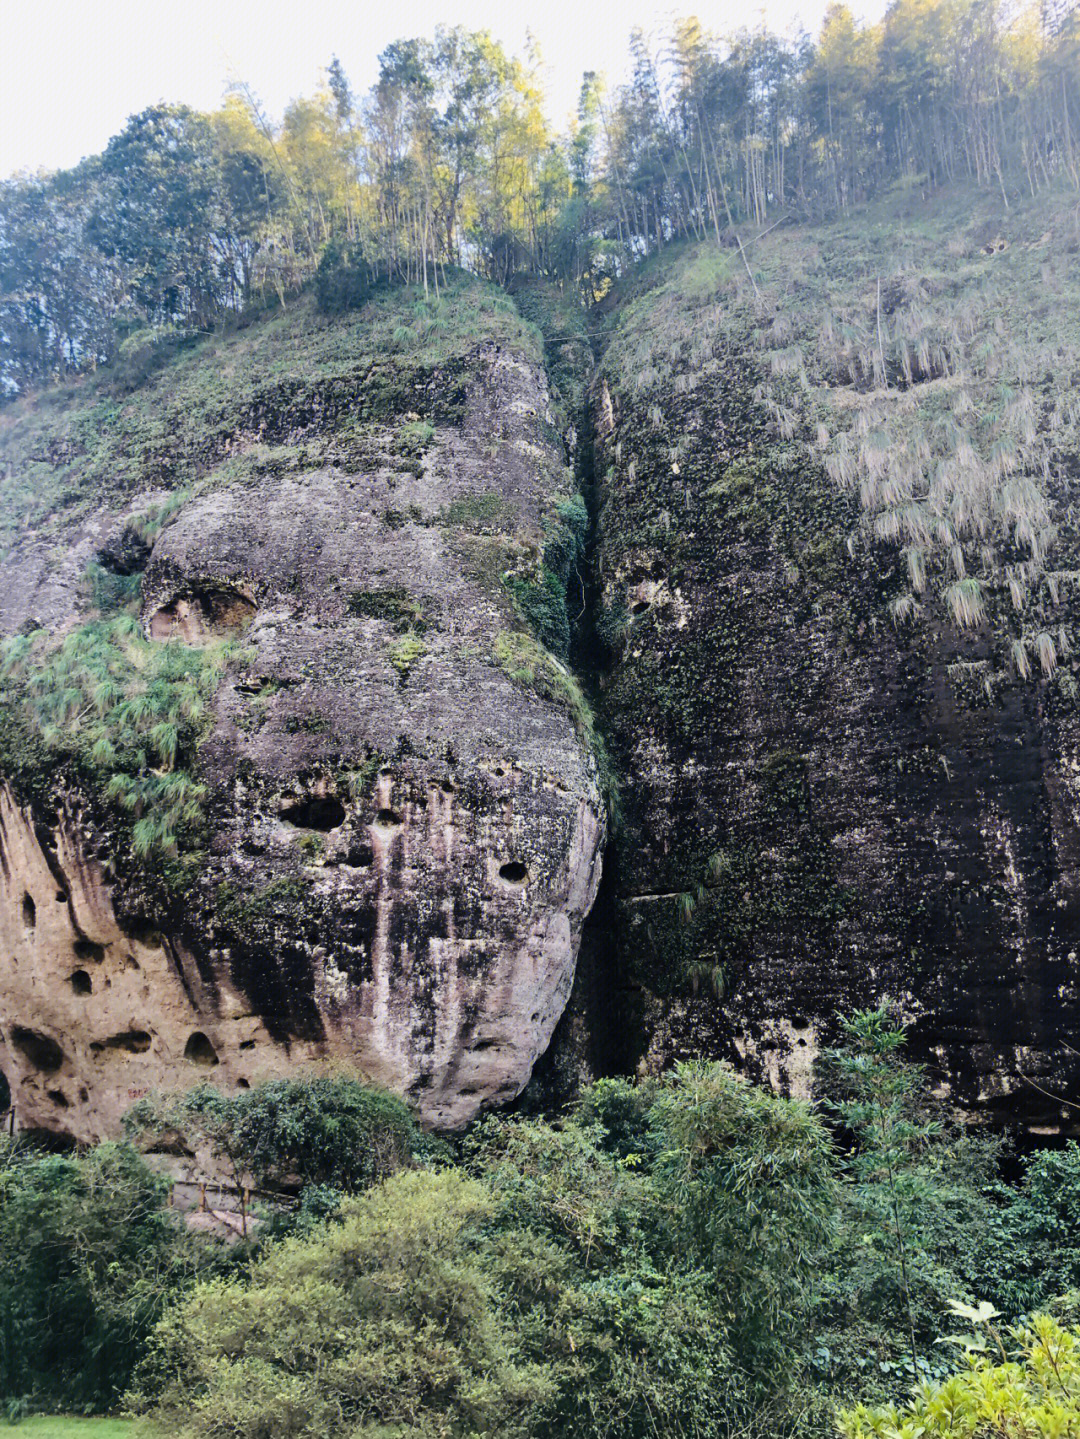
(129, 711)
(404, 653)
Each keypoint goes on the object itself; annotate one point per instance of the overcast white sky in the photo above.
(71, 71)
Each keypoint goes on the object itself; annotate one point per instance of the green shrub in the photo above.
(917, 1219)
(88, 1255)
(1030, 1390)
(318, 1130)
(392, 1321)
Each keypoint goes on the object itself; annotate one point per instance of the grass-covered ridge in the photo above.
(111, 433)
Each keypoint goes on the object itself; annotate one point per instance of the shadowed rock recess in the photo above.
(392, 833)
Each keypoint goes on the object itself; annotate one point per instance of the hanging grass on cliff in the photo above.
(129, 711)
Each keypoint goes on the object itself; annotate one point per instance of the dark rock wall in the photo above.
(821, 811)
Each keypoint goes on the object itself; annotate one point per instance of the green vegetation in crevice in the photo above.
(129, 712)
(563, 324)
(542, 599)
(255, 915)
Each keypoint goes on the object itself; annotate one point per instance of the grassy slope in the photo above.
(122, 429)
(958, 446)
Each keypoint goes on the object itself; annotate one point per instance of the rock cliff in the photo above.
(325, 800)
(840, 788)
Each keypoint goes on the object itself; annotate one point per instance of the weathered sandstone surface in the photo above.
(402, 836)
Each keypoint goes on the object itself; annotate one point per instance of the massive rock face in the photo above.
(402, 836)
(825, 809)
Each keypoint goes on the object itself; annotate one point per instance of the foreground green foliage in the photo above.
(88, 1256)
(557, 1286)
(1027, 1389)
(679, 1258)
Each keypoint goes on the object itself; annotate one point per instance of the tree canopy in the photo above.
(188, 219)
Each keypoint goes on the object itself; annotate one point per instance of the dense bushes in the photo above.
(88, 1256)
(679, 1258)
(321, 1130)
(555, 1286)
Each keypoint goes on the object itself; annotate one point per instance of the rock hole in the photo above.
(386, 769)
(5, 1093)
(130, 1041)
(639, 608)
(143, 934)
(59, 1098)
(199, 1050)
(29, 912)
(484, 1044)
(388, 819)
(361, 856)
(61, 897)
(41, 1050)
(202, 616)
(247, 1044)
(315, 811)
(80, 982)
(448, 787)
(242, 1084)
(513, 872)
(87, 949)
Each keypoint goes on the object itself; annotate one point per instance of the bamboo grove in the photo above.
(187, 220)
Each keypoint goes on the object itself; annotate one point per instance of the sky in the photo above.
(71, 71)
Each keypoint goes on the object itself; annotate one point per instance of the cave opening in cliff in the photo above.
(199, 1050)
(513, 872)
(40, 1050)
(201, 616)
(131, 1041)
(29, 912)
(5, 1093)
(81, 983)
(361, 856)
(314, 811)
